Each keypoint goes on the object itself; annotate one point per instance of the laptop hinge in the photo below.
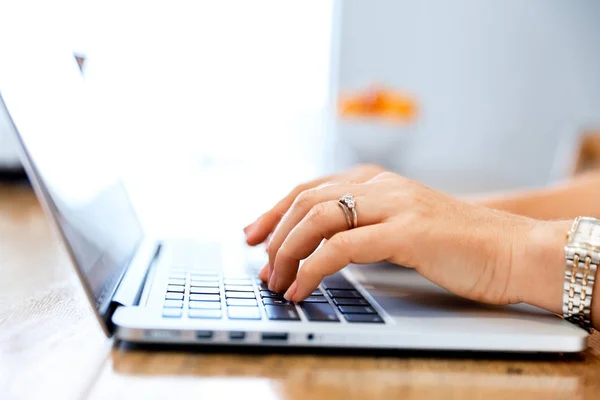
(131, 285)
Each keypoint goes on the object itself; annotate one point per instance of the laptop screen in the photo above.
(69, 154)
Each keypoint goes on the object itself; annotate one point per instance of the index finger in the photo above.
(363, 245)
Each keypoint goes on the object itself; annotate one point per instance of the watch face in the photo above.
(587, 232)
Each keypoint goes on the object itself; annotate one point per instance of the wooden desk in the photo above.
(52, 347)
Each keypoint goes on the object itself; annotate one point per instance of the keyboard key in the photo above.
(239, 274)
(317, 292)
(204, 313)
(240, 295)
(212, 305)
(205, 297)
(174, 296)
(205, 283)
(337, 281)
(263, 286)
(356, 310)
(287, 313)
(203, 272)
(205, 277)
(239, 288)
(176, 288)
(275, 302)
(268, 293)
(172, 312)
(315, 299)
(319, 312)
(243, 312)
(344, 294)
(173, 304)
(178, 275)
(205, 290)
(242, 302)
(366, 318)
(350, 302)
(176, 281)
(245, 282)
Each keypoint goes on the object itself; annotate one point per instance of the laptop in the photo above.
(171, 291)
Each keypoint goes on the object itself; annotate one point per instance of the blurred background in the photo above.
(208, 102)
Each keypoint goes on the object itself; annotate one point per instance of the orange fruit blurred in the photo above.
(380, 103)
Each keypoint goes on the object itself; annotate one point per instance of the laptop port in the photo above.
(237, 335)
(204, 335)
(274, 337)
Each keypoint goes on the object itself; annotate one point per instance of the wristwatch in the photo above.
(582, 253)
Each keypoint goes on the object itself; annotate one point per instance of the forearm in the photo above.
(539, 268)
(579, 196)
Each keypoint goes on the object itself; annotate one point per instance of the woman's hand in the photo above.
(475, 252)
(258, 231)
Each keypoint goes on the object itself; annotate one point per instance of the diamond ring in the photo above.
(348, 204)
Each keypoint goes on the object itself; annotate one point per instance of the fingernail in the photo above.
(291, 291)
(273, 282)
(249, 229)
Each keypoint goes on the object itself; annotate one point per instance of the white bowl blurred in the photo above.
(382, 142)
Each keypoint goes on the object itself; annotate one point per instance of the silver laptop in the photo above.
(150, 290)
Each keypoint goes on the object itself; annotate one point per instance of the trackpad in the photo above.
(402, 292)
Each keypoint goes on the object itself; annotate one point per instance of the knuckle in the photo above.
(341, 242)
(406, 200)
(370, 169)
(307, 272)
(272, 249)
(305, 198)
(317, 212)
(324, 185)
(271, 252)
(284, 251)
(384, 175)
(297, 190)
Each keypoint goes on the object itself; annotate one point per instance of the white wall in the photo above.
(500, 83)
(212, 99)
(211, 82)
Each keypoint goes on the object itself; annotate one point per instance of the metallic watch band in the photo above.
(580, 275)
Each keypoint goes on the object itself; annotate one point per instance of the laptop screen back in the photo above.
(70, 158)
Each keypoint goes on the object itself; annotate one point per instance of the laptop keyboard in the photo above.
(241, 297)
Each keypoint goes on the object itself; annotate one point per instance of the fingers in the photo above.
(302, 205)
(363, 245)
(260, 229)
(323, 221)
(263, 274)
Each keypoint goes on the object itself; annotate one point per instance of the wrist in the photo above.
(538, 264)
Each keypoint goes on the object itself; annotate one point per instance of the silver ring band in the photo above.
(348, 203)
(346, 214)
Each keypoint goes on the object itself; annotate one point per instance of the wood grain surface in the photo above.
(52, 347)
